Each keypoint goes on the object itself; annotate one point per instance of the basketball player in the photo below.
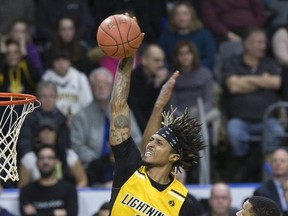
(259, 206)
(149, 188)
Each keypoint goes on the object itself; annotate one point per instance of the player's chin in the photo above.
(145, 162)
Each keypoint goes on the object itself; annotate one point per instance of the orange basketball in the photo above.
(119, 36)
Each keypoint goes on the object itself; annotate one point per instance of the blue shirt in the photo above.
(202, 39)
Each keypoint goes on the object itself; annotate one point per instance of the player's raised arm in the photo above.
(155, 119)
(120, 115)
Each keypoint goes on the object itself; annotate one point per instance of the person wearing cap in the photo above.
(46, 93)
(69, 168)
(143, 185)
(73, 89)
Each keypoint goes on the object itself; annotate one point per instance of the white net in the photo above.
(11, 121)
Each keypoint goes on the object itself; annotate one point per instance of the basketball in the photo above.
(119, 36)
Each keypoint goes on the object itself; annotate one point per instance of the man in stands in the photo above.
(48, 196)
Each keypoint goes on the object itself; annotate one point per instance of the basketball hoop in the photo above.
(14, 108)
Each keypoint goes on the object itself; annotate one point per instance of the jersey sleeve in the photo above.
(127, 159)
(189, 207)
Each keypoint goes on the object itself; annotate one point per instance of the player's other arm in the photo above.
(120, 115)
(155, 119)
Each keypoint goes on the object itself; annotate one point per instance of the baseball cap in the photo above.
(47, 123)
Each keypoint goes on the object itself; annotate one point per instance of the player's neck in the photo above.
(159, 174)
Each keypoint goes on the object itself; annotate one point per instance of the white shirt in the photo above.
(73, 90)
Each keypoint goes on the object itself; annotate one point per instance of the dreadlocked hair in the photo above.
(188, 131)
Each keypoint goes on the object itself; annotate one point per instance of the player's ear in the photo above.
(174, 157)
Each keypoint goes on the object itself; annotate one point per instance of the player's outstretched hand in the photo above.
(166, 90)
(135, 19)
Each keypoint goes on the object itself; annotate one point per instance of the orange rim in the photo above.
(16, 99)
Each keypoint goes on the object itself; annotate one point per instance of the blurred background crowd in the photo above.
(232, 56)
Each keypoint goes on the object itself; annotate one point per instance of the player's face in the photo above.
(245, 211)
(158, 151)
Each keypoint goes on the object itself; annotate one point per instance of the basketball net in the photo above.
(10, 125)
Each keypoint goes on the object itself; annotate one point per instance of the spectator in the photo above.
(272, 188)
(46, 93)
(220, 201)
(103, 210)
(49, 12)
(90, 127)
(254, 80)
(65, 38)
(280, 52)
(69, 168)
(48, 195)
(227, 20)
(3, 211)
(185, 25)
(17, 73)
(259, 206)
(73, 89)
(147, 79)
(15, 9)
(195, 82)
(19, 30)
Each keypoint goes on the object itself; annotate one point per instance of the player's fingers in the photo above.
(176, 74)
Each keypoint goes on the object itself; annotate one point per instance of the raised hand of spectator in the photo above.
(233, 37)
(22, 44)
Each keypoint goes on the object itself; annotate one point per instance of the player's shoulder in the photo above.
(189, 206)
(190, 199)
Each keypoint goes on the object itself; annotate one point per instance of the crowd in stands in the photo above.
(231, 54)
